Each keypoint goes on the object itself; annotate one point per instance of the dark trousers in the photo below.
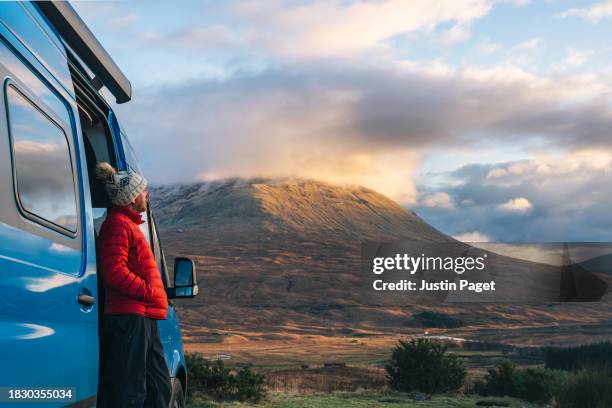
(134, 370)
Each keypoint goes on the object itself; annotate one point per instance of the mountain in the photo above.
(295, 208)
(279, 252)
(283, 256)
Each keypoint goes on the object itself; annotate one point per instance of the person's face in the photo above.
(140, 203)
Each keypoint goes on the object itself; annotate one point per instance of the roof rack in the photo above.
(77, 35)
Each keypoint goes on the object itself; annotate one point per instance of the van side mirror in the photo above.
(185, 281)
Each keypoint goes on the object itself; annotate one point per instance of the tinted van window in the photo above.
(43, 168)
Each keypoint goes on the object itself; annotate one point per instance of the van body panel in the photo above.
(47, 339)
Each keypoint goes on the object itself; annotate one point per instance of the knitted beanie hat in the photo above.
(122, 187)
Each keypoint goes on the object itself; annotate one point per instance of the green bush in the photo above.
(585, 389)
(596, 355)
(220, 382)
(531, 384)
(499, 381)
(421, 365)
(249, 385)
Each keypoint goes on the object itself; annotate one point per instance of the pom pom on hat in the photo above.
(104, 171)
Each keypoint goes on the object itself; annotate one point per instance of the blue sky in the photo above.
(490, 118)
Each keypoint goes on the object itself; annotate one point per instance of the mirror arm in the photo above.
(171, 293)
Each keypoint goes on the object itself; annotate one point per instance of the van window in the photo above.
(42, 164)
(157, 251)
(130, 155)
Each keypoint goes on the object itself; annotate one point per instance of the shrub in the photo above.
(531, 384)
(597, 355)
(537, 384)
(499, 381)
(249, 385)
(420, 365)
(586, 389)
(206, 378)
(222, 383)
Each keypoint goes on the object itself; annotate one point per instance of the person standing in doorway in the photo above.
(134, 372)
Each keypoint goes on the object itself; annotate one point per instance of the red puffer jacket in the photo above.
(131, 278)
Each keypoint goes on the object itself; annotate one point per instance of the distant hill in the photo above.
(302, 209)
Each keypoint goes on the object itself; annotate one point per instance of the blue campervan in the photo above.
(55, 126)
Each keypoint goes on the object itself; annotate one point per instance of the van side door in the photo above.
(48, 314)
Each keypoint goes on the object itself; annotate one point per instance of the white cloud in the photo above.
(518, 205)
(594, 13)
(575, 165)
(496, 173)
(334, 28)
(457, 33)
(529, 45)
(437, 200)
(565, 197)
(472, 236)
(362, 125)
(123, 21)
(489, 47)
(576, 58)
(522, 55)
(216, 35)
(519, 3)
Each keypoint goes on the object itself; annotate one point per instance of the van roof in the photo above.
(79, 37)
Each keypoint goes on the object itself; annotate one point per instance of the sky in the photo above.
(491, 119)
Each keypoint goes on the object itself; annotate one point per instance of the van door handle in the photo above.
(86, 300)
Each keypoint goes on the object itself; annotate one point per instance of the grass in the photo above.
(363, 400)
(325, 379)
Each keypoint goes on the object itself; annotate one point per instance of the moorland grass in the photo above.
(364, 400)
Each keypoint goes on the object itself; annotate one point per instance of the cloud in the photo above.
(123, 21)
(522, 55)
(291, 30)
(594, 13)
(565, 199)
(212, 36)
(519, 3)
(437, 200)
(457, 33)
(575, 58)
(530, 45)
(333, 28)
(489, 47)
(518, 205)
(568, 167)
(472, 236)
(360, 124)
(274, 124)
